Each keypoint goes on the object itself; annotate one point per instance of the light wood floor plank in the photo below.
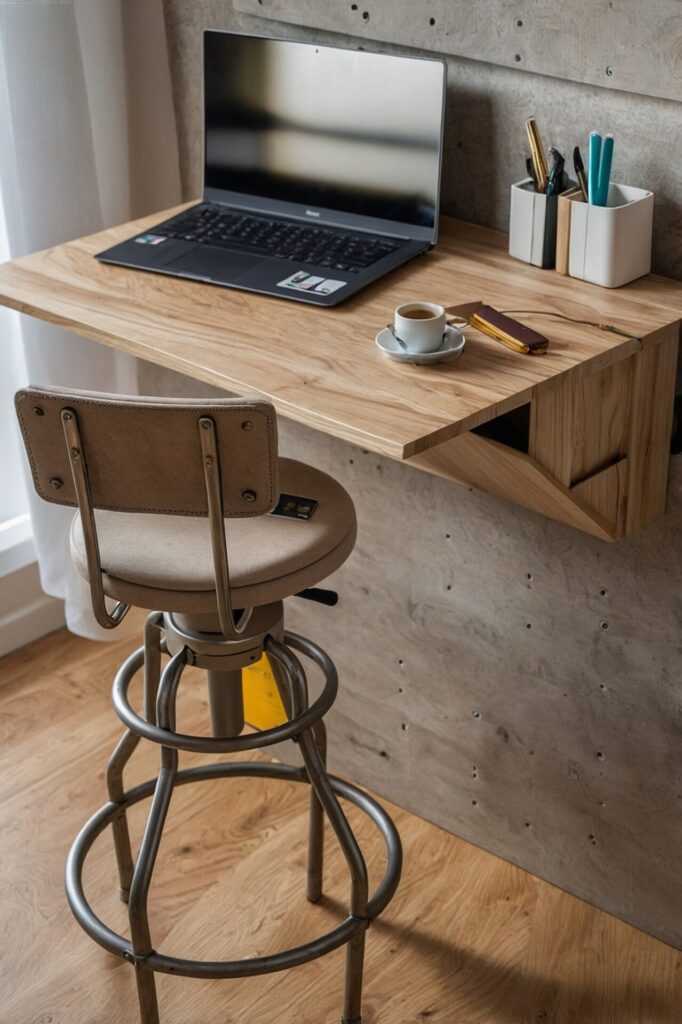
(469, 938)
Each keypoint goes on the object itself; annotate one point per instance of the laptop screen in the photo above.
(342, 130)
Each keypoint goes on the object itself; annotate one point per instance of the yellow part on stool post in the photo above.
(263, 708)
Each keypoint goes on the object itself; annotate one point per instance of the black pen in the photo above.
(530, 171)
(555, 181)
(580, 171)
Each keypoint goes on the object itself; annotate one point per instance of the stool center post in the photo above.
(226, 701)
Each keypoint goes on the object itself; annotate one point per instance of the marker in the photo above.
(605, 162)
(593, 168)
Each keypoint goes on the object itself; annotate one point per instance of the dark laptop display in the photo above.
(321, 170)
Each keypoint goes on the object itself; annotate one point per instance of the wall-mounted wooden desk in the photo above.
(591, 420)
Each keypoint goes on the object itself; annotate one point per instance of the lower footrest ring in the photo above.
(122, 947)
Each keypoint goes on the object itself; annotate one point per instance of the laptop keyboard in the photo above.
(320, 246)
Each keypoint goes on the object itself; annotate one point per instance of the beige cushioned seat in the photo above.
(165, 562)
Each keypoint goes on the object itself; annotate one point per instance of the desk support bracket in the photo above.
(598, 446)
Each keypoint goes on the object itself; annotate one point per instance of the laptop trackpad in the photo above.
(216, 264)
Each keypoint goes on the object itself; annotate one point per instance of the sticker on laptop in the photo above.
(302, 281)
(148, 239)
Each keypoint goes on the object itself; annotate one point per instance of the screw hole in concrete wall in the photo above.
(600, 755)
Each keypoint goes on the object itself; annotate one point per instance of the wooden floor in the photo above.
(468, 939)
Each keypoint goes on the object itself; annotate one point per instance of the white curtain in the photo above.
(87, 140)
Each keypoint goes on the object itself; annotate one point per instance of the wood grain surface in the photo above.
(512, 475)
(469, 939)
(320, 366)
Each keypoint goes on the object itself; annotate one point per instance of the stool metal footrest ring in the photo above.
(120, 946)
(306, 727)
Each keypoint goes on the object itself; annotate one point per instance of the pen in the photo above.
(580, 171)
(593, 168)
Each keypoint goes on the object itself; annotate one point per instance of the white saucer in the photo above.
(451, 348)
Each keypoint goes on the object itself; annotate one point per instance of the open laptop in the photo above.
(321, 171)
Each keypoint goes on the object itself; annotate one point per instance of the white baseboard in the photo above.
(31, 614)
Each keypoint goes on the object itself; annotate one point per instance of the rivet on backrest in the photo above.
(56, 483)
(37, 411)
(249, 495)
(247, 425)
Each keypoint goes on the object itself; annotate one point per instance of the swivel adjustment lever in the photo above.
(328, 597)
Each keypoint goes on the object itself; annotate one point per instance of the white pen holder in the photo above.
(532, 225)
(611, 245)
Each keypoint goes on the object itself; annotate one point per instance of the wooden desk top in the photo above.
(321, 366)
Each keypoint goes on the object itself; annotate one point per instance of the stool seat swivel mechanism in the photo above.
(172, 503)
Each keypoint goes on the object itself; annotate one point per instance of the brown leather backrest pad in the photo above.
(144, 454)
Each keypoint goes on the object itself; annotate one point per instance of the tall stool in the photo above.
(155, 483)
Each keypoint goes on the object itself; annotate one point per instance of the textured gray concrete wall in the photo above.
(507, 677)
(488, 106)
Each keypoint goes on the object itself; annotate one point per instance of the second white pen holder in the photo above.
(611, 245)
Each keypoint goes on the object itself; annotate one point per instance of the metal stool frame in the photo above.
(305, 727)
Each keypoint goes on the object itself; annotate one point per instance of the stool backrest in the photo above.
(144, 454)
(176, 457)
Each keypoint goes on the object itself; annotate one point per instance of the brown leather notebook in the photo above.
(508, 331)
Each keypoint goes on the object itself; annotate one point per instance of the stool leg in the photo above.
(315, 870)
(355, 951)
(149, 847)
(316, 825)
(125, 748)
(355, 960)
(119, 826)
(139, 889)
(226, 700)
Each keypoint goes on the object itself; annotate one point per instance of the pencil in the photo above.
(537, 154)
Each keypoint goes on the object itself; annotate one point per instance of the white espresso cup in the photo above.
(420, 326)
